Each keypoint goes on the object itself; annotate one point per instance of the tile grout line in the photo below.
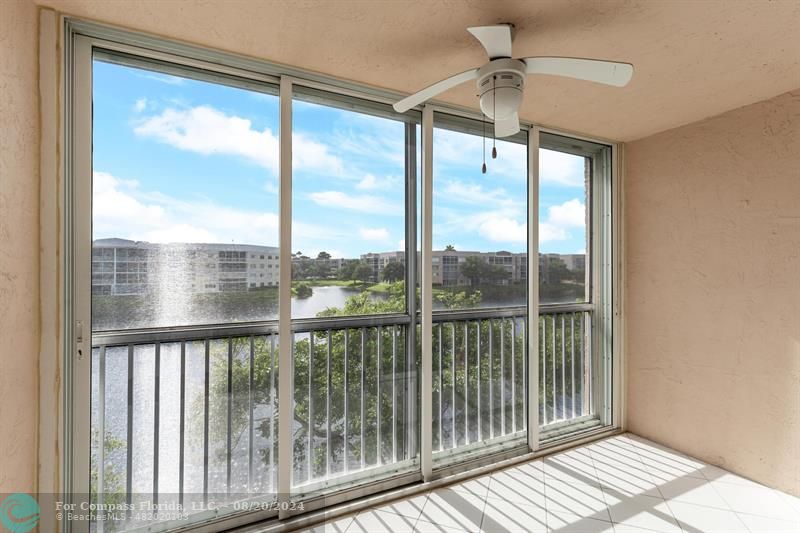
(601, 484)
(713, 488)
(422, 509)
(658, 486)
(735, 513)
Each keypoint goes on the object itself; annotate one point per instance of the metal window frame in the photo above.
(602, 271)
(78, 38)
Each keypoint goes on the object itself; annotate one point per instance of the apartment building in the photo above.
(379, 260)
(125, 267)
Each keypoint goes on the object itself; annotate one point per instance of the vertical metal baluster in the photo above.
(513, 374)
(502, 376)
(272, 434)
(441, 390)
(453, 438)
(586, 369)
(182, 429)
(229, 429)
(251, 407)
(542, 325)
(207, 364)
(346, 398)
(563, 368)
(466, 382)
(101, 413)
(491, 379)
(250, 429)
(328, 454)
(555, 412)
(378, 401)
(572, 357)
(156, 417)
(129, 433)
(394, 394)
(525, 385)
(363, 402)
(310, 443)
(478, 359)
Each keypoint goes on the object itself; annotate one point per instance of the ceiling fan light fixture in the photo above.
(501, 103)
(501, 81)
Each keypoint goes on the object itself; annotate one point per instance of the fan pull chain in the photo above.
(483, 122)
(494, 111)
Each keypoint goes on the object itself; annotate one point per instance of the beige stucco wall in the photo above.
(713, 289)
(713, 243)
(19, 245)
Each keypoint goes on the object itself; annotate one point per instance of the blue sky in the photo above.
(178, 160)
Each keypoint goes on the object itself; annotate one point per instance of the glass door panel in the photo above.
(479, 273)
(572, 384)
(355, 377)
(184, 274)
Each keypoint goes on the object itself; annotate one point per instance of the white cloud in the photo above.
(498, 228)
(451, 148)
(561, 168)
(550, 232)
(206, 130)
(503, 226)
(368, 137)
(561, 219)
(463, 150)
(367, 182)
(362, 203)
(374, 234)
(121, 210)
(570, 214)
(474, 193)
(371, 182)
(179, 233)
(140, 105)
(114, 205)
(401, 244)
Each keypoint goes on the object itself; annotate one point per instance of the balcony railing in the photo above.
(193, 411)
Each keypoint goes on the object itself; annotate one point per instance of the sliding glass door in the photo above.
(245, 276)
(480, 275)
(574, 274)
(184, 276)
(355, 380)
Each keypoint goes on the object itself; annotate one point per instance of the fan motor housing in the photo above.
(500, 86)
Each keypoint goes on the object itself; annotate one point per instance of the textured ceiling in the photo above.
(693, 59)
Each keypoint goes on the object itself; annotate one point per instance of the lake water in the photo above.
(168, 308)
(324, 298)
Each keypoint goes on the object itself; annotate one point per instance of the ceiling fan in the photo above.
(501, 81)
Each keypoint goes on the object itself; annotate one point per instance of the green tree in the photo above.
(449, 248)
(362, 272)
(478, 270)
(474, 268)
(302, 290)
(345, 272)
(323, 255)
(335, 365)
(320, 269)
(393, 272)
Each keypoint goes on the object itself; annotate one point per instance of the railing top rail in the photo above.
(574, 307)
(243, 329)
(304, 325)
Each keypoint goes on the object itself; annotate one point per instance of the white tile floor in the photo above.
(623, 484)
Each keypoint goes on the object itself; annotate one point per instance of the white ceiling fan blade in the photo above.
(495, 39)
(429, 92)
(507, 127)
(607, 72)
